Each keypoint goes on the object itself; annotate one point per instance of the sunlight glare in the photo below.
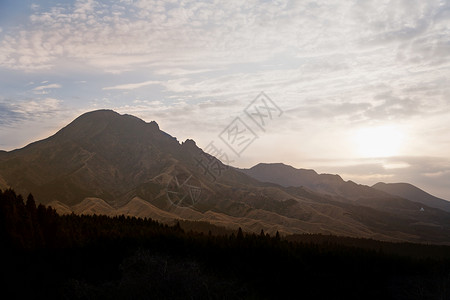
(382, 141)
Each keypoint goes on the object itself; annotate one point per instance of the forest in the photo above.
(51, 256)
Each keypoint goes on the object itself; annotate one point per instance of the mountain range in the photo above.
(107, 163)
(334, 185)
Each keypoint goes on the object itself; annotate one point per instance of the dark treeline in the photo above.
(45, 255)
(404, 249)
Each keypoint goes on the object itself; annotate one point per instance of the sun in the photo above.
(381, 141)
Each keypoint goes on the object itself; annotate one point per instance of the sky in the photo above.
(355, 88)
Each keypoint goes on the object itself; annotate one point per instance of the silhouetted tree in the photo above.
(240, 234)
(277, 236)
(31, 204)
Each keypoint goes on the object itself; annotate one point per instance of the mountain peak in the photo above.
(93, 123)
(189, 142)
(99, 112)
(281, 165)
(110, 115)
(154, 125)
(97, 115)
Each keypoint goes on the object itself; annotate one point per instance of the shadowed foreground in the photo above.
(86, 257)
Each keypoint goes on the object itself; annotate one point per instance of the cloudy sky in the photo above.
(358, 88)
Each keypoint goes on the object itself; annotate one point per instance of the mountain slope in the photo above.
(413, 193)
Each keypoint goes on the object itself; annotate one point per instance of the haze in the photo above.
(363, 85)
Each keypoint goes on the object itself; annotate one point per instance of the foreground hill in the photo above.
(413, 193)
(112, 164)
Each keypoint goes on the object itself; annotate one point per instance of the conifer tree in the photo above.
(240, 234)
(31, 204)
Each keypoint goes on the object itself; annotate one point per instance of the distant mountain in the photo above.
(328, 184)
(413, 193)
(335, 188)
(286, 176)
(331, 184)
(107, 163)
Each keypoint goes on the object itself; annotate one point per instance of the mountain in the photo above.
(100, 154)
(107, 163)
(328, 184)
(413, 193)
(286, 176)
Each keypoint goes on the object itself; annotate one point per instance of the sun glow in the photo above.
(382, 141)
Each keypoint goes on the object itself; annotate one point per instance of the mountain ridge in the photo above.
(287, 175)
(413, 193)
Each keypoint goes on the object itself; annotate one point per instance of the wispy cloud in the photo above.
(48, 86)
(153, 32)
(21, 110)
(131, 86)
(8, 115)
(23, 121)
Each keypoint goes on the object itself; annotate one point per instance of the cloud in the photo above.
(14, 112)
(38, 108)
(7, 115)
(131, 86)
(209, 34)
(295, 50)
(23, 121)
(182, 71)
(48, 86)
